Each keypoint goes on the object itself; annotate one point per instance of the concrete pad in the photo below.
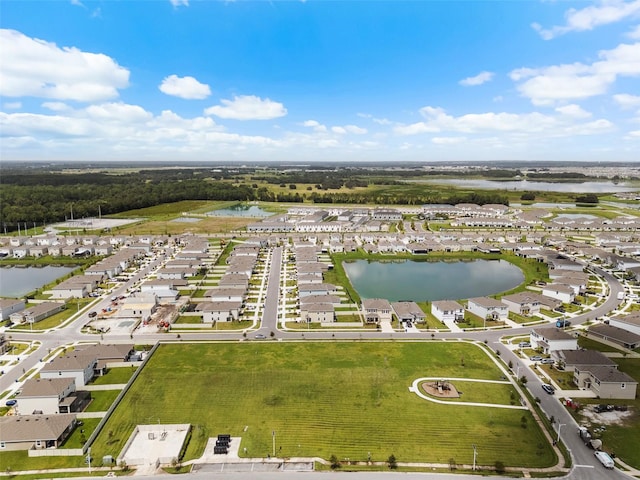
(154, 444)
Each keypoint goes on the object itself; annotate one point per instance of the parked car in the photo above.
(524, 344)
(93, 314)
(604, 459)
(548, 361)
(260, 336)
(548, 388)
(563, 323)
(536, 358)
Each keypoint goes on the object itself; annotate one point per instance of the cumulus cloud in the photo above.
(482, 77)
(448, 140)
(354, 129)
(588, 18)
(546, 85)
(184, 87)
(248, 107)
(573, 110)
(627, 101)
(317, 126)
(533, 123)
(36, 68)
(56, 106)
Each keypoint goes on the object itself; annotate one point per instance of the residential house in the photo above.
(569, 360)
(139, 306)
(26, 432)
(564, 293)
(549, 339)
(77, 366)
(317, 312)
(51, 396)
(606, 382)
(107, 354)
(489, 308)
(617, 335)
(316, 289)
(408, 312)
(226, 294)
(447, 311)
(377, 310)
(219, 311)
(522, 303)
(9, 306)
(36, 313)
(630, 322)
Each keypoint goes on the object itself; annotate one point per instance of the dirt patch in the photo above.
(614, 417)
(440, 389)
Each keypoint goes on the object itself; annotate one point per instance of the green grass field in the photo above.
(115, 376)
(346, 399)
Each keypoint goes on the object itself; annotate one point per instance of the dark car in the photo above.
(548, 388)
(10, 403)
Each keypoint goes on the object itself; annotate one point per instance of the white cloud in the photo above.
(448, 140)
(635, 33)
(635, 133)
(12, 105)
(118, 112)
(547, 85)
(77, 3)
(573, 110)
(33, 67)
(627, 101)
(317, 126)
(248, 107)
(184, 87)
(56, 106)
(482, 77)
(522, 125)
(179, 3)
(354, 129)
(588, 18)
(379, 121)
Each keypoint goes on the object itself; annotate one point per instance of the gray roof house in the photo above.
(24, 432)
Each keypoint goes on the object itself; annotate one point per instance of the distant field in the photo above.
(345, 399)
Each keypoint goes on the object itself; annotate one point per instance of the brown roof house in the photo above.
(376, 310)
(50, 396)
(79, 366)
(24, 432)
(606, 382)
(616, 335)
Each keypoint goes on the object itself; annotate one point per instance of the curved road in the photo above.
(585, 466)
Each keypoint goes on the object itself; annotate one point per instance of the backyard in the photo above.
(346, 399)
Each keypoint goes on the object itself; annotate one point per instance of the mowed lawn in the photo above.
(323, 399)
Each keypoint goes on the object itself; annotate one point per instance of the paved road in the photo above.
(586, 467)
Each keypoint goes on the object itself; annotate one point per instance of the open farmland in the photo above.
(323, 399)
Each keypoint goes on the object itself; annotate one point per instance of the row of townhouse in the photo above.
(225, 303)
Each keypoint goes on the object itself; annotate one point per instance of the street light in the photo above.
(273, 435)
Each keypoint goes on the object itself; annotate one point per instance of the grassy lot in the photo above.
(79, 436)
(623, 439)
(115, 376)
(336, 398)
(58, 318)
(592, 344)
(102, 400)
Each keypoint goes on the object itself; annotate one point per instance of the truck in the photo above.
(620, 295)
(605, 459)
(585, 435)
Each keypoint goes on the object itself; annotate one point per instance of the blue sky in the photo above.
(320, 80)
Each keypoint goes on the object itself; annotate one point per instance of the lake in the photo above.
(241, 210)
(16, 282)
(426, 281)
(526, 185)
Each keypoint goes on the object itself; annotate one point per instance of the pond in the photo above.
(429, 280)
(526, 185)
(241, 210)
(16, 282)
